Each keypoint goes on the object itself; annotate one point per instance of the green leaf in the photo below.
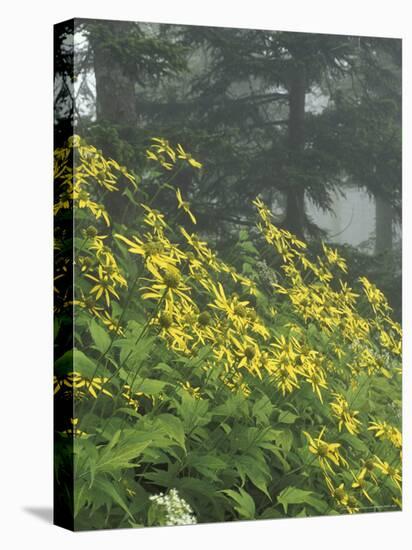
(235, 406)
(100, 336)
(247, 269)
(245, 503)
(243, 235)
(75, 360)
(174, 428)
(287, 417)
(359, 393)
(166, 370)
(271, 513)
(262, 409)
(293, 495)
(80, 496)
(128, 193)
(109, 489)
(150, 386)
(355, 442)
(128, 411)
(249, 247)
(196, 487)
(285, 439)
(56, 327)
(134, 350)
(198, 359)
(64, 364)
(193, 411)
(121, 454)
(114, 440)
(256, 471)
(208, 465)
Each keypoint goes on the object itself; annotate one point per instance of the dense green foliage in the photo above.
(294, 117)
(258, 384)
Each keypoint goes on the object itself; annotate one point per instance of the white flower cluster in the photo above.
(267, 274)
(176, 509)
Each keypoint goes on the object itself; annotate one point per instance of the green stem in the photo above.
(115, 335)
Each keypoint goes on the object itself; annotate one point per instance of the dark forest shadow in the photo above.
(44, 513)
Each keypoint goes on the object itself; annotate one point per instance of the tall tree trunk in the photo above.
(295, 193)
(115, 99)
(115, 87)
(383, 225)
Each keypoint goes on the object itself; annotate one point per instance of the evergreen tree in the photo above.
(291, 116)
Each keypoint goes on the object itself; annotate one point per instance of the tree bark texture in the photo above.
(295, 193)
(383, 225)
(115, 86)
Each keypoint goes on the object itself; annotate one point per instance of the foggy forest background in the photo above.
(310, 122)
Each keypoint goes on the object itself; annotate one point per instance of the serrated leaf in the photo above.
(149, 386)
(234, 406)
(100, 336)
(132, 350)
(75, 360)
(287, 417)
(56, 327)
(245, 503)
(256, 471)
(243, 235)
(208, 464)
(80, 496)
(122, 455)
(174, 428)
(64, 364)
(194, 412)
(294, 495)
(109, 489)
(262, 408)
(249, 247)
(355, 442)
(284, 439)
